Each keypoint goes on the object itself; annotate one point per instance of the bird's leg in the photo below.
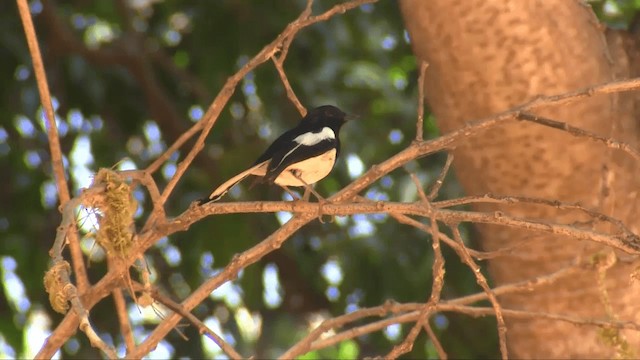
(308, 188)
(293, 195)
(321, 200)
(306, 195)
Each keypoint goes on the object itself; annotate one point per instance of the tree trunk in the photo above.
(486, 56)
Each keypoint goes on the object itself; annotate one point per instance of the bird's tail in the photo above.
(220, 191)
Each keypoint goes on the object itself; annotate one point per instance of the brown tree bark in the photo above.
(486, 56)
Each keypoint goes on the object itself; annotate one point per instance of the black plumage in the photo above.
(299, 157)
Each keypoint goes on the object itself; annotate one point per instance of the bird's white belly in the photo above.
(311, 170)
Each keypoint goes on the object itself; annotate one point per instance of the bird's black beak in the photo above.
(349, 117)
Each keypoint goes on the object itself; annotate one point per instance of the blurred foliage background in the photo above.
(128, 77)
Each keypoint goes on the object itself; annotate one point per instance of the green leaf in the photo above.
(348, 350)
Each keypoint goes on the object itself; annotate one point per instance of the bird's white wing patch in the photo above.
(287, 154)
(311, 138)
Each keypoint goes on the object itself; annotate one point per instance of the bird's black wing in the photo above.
(294, 153)
(284, 141)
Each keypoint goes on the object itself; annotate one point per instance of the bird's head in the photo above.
(327, 115)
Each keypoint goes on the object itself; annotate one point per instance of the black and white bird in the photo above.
(301, 156)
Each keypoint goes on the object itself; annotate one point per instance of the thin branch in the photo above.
(407, 220)
(368, 328)
(45, 98)
(524, 314)
(500, 199)
(54, 141)
(442, 355)
(482, 281)
(202, 328)
(64, 290)
(419, 189)
(145, 178)
(480, 255)
(85, 325)
(305, 344)
(587, 92)
(288, 39)
(436, 290)
(184, 137)
(123, 318)
(440, 180)
(577, 132)
(413, 313)
(420, 122)
(524, 286)
(277, 62)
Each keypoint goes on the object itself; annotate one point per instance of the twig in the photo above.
(360, 330)
(523, 314)
(442, 355)
(157, 163)
(147, 181)
(407, 220)
(277, 62)
(420, 122)
(419, 189)
(123, 318)
(85, 326)
(522, 286)
(587, 92)
(440, 180)
(480, 255)
(471, 311)
(468, 310)
(54, 140)
(288, 39)
(436, 289)
(525, 286)
(305, 344)
(482, 281)
(491, 198)
(229, 87)
(202, 328)
(45, 97)
(577, 132)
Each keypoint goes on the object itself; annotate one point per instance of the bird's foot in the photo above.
(321, 203)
